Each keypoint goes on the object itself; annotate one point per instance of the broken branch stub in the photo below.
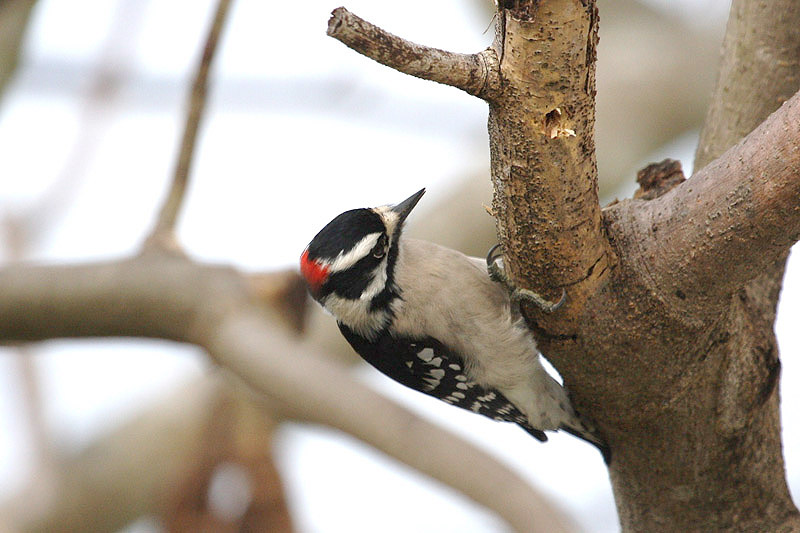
(473, 73)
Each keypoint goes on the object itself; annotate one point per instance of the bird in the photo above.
(436, 320)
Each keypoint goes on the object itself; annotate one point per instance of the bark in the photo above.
(466, 71)
(760, 69)
(541, 130)
(675, 362)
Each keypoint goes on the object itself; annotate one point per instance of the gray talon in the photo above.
(498, 275)
(541, 303)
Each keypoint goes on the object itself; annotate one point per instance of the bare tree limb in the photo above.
(473, 73)
(126, 473)
(719, 401)
(144, 462)
(544, 170)
(165, 296)
(27, 226)
(768, 42)
(737, 215)
(237, 435)
(162, 234)
(29, 384)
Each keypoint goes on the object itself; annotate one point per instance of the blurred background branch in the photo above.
(14, 17)
(163, 233)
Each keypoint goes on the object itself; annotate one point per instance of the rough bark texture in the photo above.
(734, 473)
(681, 363)
(466, 71)
(541, 128)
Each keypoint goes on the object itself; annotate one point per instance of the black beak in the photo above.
(404, 208)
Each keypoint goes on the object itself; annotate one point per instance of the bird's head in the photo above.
(349, 264)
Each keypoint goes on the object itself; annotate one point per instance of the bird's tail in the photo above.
(589, 434)
(536, 433)
(573, 423)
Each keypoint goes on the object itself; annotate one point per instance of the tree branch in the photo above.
(14, 17)
(473, 73)
(169, 297)
(139, 468)
(162, 234)
(737, 215)
(129, 472)
(704, 373)
(766, 38)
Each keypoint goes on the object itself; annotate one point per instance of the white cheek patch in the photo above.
(379, 279)
(344, 260)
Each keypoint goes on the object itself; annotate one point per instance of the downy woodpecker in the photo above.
(432, 319)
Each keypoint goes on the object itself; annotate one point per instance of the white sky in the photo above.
(299, 129)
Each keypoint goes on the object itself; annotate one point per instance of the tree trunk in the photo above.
(684, 384)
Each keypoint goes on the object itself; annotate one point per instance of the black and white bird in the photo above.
(432, 319)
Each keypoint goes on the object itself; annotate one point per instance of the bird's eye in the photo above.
(379, 250)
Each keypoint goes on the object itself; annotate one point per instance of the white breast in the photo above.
(450, 297)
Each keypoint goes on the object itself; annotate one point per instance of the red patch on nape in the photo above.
(314, 273)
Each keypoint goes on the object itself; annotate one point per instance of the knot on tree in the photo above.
(657, 178)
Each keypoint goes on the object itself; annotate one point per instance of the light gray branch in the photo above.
(169, 297)
(737, 215)
(476, 74)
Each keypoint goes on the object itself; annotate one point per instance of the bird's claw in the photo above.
(496, 272)
(498, 275)
(545, 305)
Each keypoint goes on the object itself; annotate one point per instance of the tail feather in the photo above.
(536, 433)
(584, 429)
(591, 438)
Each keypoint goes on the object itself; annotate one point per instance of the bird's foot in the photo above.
(498, 274)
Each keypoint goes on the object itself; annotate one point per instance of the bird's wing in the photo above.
(427, 366)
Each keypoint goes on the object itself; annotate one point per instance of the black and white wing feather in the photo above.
(425, 365)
